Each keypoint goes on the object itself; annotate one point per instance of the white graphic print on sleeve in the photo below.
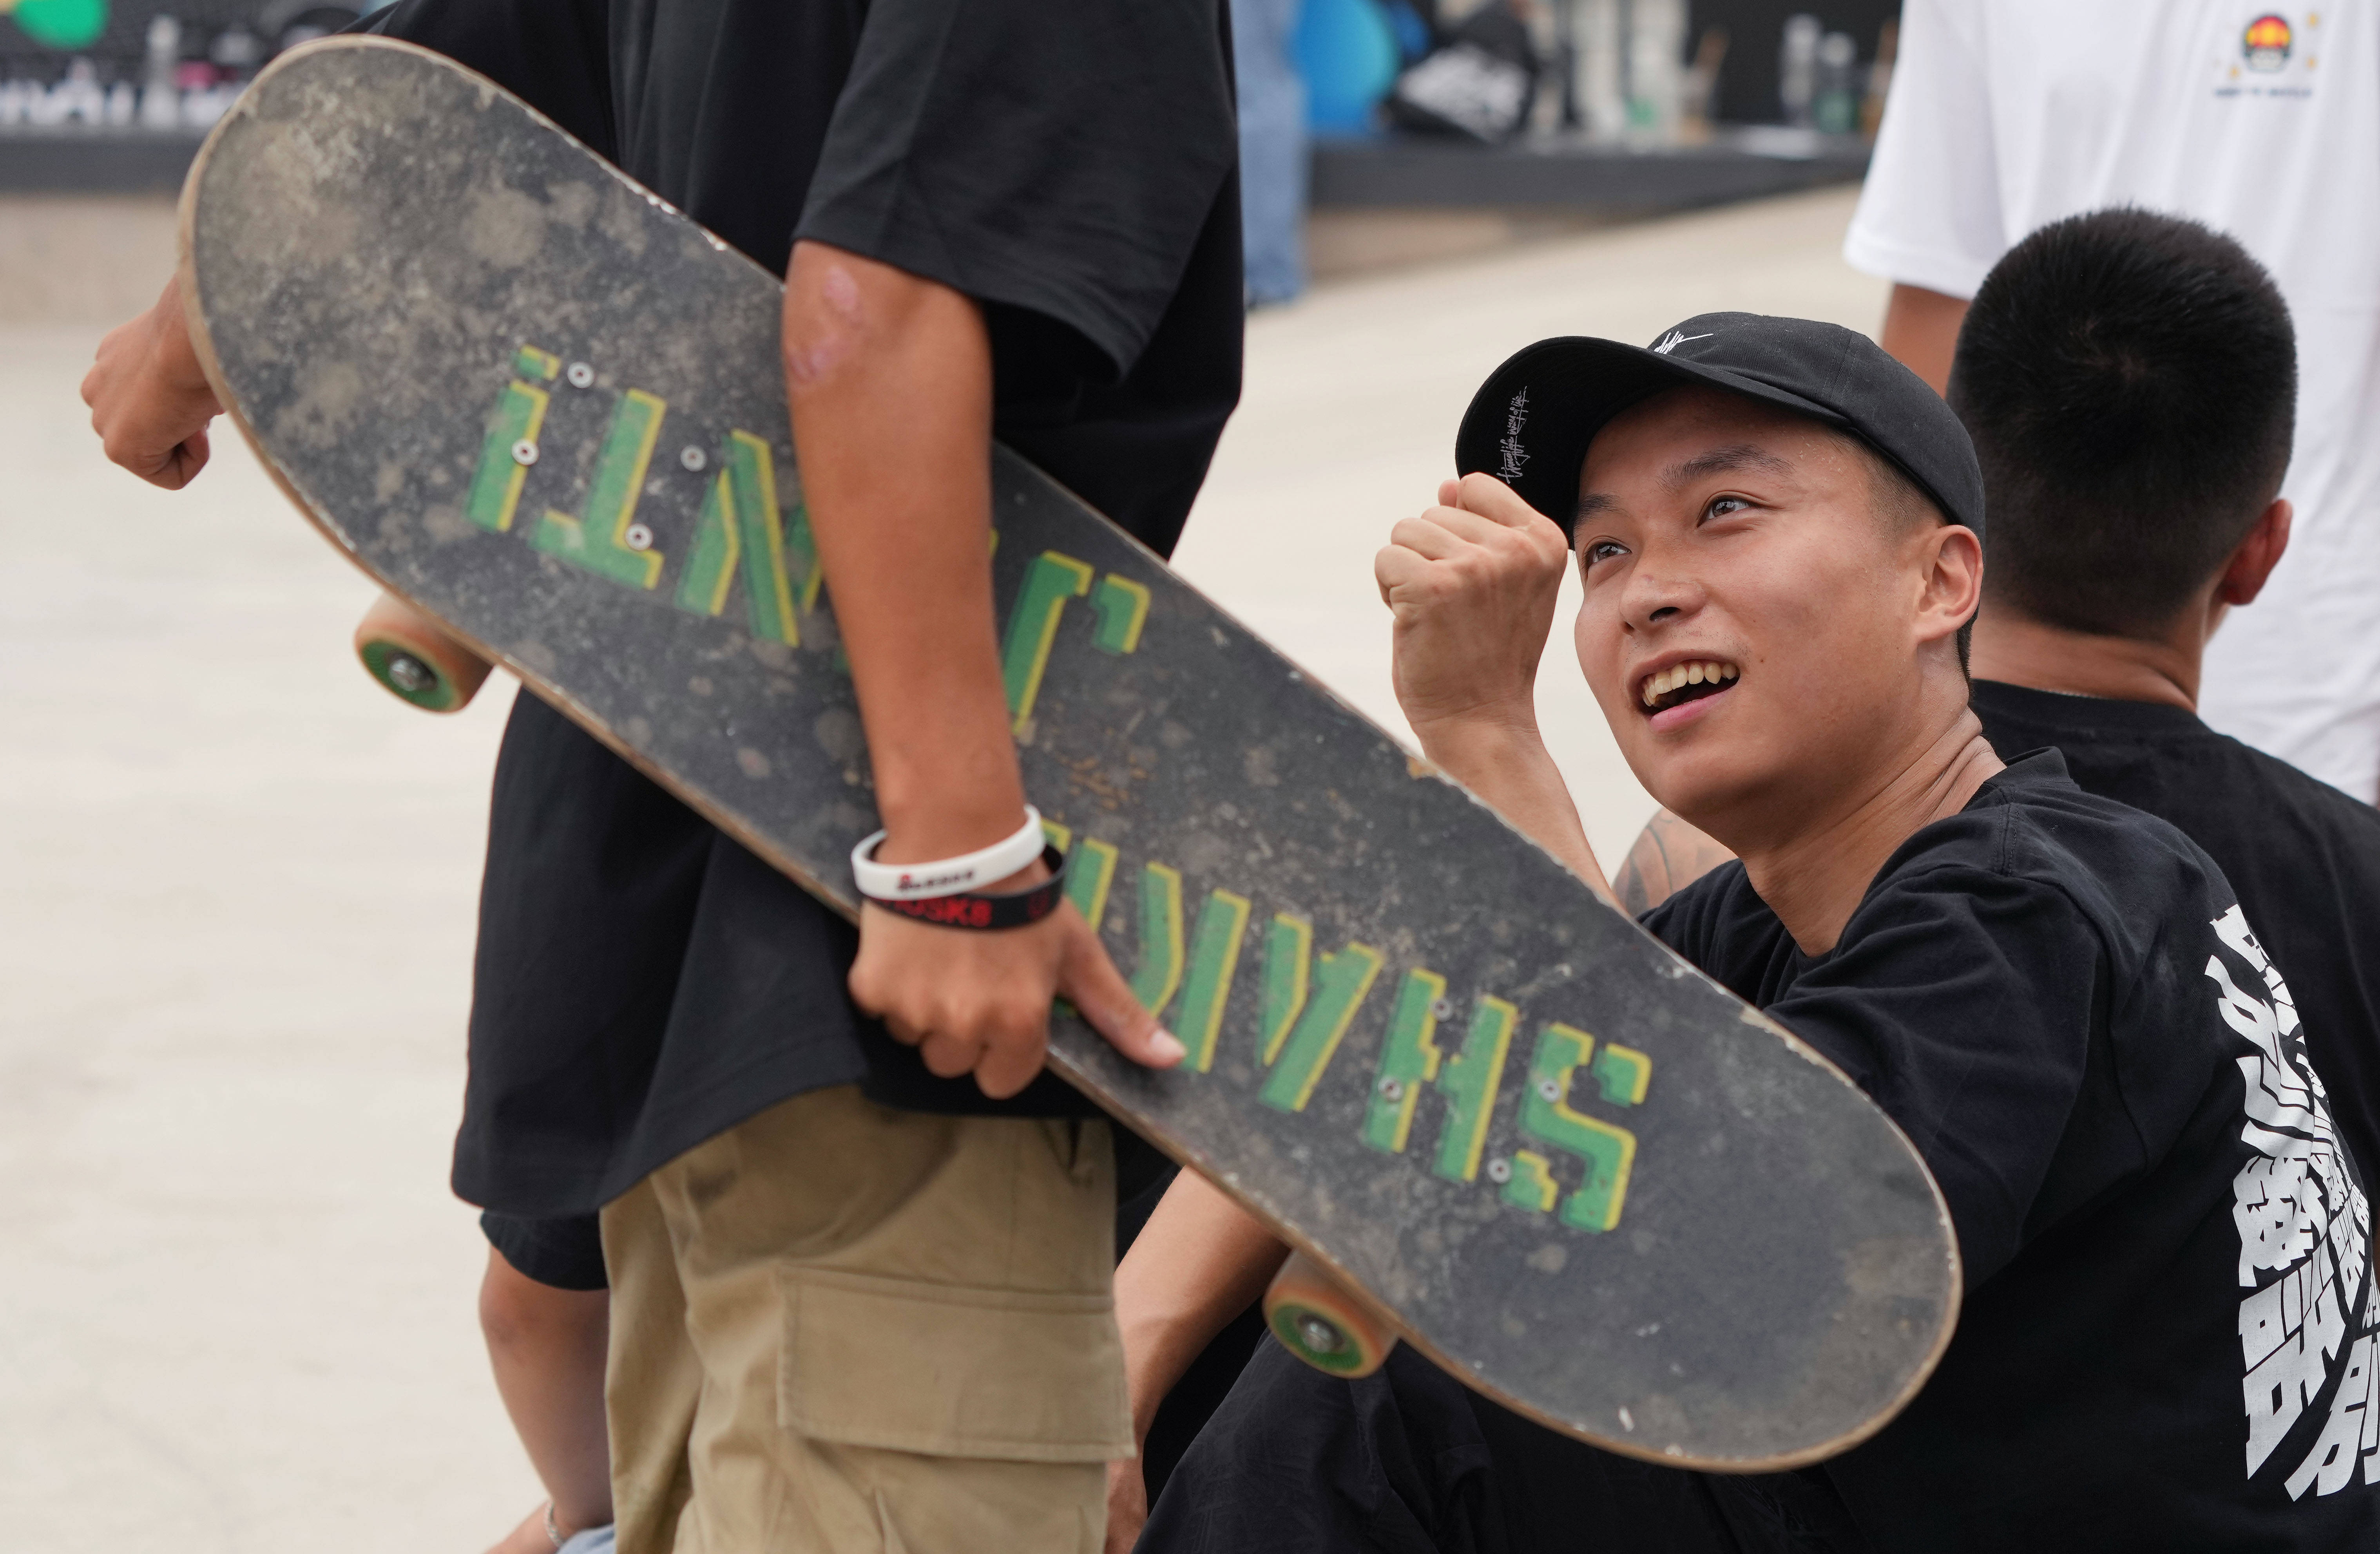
(2304, 1240)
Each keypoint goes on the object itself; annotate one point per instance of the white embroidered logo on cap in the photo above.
(1672, 340)
(1516, 415)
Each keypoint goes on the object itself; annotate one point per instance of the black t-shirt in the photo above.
(2166, 1341)
(2304, 857)
(642, 982)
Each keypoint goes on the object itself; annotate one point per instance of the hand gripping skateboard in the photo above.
(1501, 1123)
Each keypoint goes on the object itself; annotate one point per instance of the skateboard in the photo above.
(1495, 1118)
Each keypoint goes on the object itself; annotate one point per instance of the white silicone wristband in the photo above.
(971, 871)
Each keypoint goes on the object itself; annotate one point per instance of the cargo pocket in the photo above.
(947, 1370)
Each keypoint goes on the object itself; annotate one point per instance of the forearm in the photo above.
(1921, 331)
(889, 377)
(1504, 760)
(1200, 1261)
(1473, 587)
(176, 355)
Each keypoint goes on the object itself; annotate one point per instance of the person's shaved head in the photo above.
(2130, 381)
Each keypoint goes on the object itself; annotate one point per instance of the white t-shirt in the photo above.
(2263, 123)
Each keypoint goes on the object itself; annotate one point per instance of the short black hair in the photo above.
(2130, 381)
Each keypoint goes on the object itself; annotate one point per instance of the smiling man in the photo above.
(2166, 1342)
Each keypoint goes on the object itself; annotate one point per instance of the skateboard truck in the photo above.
(1319, 1321)
(417, 661)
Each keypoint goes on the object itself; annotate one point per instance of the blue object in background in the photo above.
(1348, 53)
(1272, 148)
(1411, 33)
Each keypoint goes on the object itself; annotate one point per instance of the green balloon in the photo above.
(63, 24)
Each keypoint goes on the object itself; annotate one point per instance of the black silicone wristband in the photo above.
(973, 909)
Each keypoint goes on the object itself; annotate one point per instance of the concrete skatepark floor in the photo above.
(236, 1302)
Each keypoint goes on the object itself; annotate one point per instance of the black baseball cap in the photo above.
(1531, 421)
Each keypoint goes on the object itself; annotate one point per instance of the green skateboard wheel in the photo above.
(415, 660)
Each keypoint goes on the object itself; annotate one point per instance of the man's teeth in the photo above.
(1698, 673)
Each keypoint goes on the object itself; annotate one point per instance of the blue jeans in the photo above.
(1272, 148)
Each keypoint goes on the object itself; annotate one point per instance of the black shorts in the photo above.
(566, 1253)
(1408, 1461)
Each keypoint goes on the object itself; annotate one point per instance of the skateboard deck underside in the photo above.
(523, 393)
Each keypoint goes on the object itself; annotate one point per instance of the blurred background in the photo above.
(237, 880)
(1404, 129)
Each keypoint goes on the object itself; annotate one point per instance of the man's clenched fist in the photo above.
(150, 403)
(1473, 583)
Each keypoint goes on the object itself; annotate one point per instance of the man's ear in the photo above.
(2244, 574)
(1953, 581)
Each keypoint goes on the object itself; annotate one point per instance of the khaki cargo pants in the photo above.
(839, 1327)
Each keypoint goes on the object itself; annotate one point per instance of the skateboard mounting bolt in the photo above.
(1441, 1010)
(1392, 1090)
(1549, 1089)
(693, 457)
(639, 537)
(1499, 1170)
(524, 452)
(411, 674)
(580, 375)
(1321, 1334)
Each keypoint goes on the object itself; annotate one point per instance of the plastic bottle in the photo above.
(1599, 70)
(161, 100)
(1657, 48)
(77, 97)
(1797, 70)
(1835, 110)
(1879, 77)
(1698, 89)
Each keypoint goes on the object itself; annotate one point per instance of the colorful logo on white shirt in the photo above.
(2268, 54)
(2265, 45)
(2306, 1323)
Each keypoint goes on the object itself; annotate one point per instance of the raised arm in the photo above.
(890, 380)
(1921, 330)
(1472, 583)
